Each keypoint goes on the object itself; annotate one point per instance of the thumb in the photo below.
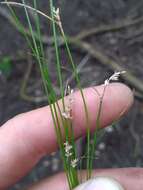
(100, 183)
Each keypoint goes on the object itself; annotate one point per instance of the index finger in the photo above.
(29, 136)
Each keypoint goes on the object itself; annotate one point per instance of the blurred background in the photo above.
(113, 34)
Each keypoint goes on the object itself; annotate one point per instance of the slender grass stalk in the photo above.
(83, 98)
(72, 174)
(98, 127)
(58, 66)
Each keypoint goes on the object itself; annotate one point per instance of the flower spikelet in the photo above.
(67, 114)
(114, 77)
(68, 149)
(74, 162)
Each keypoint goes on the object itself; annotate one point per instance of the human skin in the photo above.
(26, 138)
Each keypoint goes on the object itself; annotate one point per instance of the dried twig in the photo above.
(120, 24)
(23, 88)
(131, 79)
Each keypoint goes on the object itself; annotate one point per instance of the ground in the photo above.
(118, 37)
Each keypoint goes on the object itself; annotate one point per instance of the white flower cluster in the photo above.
(68, 154)
(114, 77)
(74, 162)
(68, 149)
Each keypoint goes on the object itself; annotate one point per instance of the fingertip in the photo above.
(117, 100)
(122, 95)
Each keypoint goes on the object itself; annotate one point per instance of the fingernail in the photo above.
(100, 183)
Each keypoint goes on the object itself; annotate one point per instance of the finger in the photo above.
(27, 137)
(130, 179)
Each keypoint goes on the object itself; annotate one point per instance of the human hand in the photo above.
(26, 138)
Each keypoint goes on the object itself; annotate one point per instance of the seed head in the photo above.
(74, 162)
(56, 12)
(67, 114)
(114, 77)
(68, 148)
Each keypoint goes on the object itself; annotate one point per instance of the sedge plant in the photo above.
(62, 115)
